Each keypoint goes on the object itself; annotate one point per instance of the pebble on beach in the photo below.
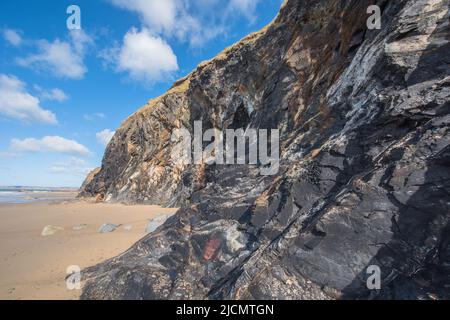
(128, 227)
(80, 227)
(51, 230)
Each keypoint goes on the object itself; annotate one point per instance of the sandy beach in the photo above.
(33, 266)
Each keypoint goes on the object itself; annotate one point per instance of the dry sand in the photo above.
(34, 267)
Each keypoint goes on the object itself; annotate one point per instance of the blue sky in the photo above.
(64, 92)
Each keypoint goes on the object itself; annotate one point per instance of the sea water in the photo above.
(23, 195)
(14, 197)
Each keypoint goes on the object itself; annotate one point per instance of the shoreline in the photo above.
(34, 267)
(29, 196)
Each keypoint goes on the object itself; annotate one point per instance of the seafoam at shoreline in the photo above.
(22, 195)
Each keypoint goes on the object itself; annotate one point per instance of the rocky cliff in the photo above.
(364, 176)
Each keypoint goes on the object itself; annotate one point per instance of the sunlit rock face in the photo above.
(364, 178)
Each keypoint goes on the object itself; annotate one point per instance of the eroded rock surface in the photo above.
(364, 178)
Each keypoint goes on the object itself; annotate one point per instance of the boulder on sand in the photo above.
(108, 227)
(154, 223)
(51, 230)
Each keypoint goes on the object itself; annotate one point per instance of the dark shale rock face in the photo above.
(364, 121)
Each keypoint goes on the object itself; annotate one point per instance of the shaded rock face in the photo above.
(364, 177)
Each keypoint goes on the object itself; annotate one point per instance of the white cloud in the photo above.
(8, 155)
(52, 94)
(64, 59)
(94, 116)
(80, 41)
(195, 21)
(55, 95)
(72, 166)
(159, 15)
(13, 37)
(16, 102)
(105, 136)
(49, 144)
(143, 56)
(245, 7)
(146, 55)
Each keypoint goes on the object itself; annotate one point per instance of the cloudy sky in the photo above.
(64, 92)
